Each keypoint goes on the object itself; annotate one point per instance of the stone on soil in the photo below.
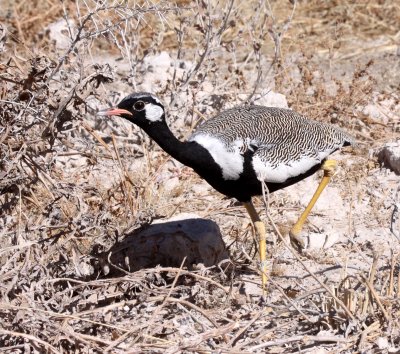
(168, 242)
(389, 156)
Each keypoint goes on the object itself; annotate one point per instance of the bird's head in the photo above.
(140, 108)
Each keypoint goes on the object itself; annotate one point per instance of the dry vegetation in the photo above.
(73, 185)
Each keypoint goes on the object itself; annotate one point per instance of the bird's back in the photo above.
(285, 143)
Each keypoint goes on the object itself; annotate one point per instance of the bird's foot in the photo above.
(296, 240)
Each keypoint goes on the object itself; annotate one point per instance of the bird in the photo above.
(242, 148)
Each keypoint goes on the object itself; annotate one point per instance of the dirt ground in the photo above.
(79, 193)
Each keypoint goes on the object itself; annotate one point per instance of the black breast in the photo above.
(248, 184)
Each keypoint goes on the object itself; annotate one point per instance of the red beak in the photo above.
(114, 112)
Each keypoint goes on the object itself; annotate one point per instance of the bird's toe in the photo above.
(297, 241)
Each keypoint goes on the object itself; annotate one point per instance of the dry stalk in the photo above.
(75, 317)
(371, 328)
(124, 178)
(371, 279)
(190, 273)
(30, 338)
(375, 295)
(244, 329)
(277, 36)
(390, 289)
(398, 286)
(307, 340)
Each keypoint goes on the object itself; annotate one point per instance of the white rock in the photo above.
(59, 32)
(171, 184)
(329, 203)
(158, 62)
(382, 108)
(323, 240)
(202, 188)
(270, 98)
(372, 111)
(159, 70)
(329, 214)
(382, 343)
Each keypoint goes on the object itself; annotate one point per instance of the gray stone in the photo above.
(389, 156)
(168, 242)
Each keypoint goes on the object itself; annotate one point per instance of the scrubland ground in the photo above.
(74, 185)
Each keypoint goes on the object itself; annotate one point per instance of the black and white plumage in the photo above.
(283, 144)
(241, 146)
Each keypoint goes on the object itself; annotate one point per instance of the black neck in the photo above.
(188, 153)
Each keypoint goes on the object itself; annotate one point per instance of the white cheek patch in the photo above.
(153, 112)
(231, 162)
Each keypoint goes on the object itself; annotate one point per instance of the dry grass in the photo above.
(71, 185)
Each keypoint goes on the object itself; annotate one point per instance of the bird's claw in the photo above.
(297, 242)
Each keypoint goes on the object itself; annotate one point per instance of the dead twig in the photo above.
(305, 340)
(30, 338)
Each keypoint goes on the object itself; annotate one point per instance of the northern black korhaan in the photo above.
(243, 146)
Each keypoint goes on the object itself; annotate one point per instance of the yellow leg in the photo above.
(262, 243)
(329, 167)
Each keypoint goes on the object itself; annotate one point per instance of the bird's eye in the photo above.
(139, 106)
